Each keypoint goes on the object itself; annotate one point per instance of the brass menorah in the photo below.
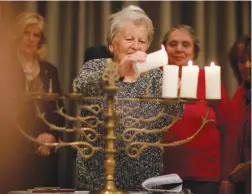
(86, 148)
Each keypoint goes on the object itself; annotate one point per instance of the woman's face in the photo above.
(180, 48)
(29, 42)
(129, 39)
(245, 69)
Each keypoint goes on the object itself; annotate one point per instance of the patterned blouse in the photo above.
(129, 173)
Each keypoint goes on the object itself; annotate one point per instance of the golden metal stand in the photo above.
(109, 75)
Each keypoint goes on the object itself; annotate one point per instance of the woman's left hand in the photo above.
(45, 138)
(240, 172)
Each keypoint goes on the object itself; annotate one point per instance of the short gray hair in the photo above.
(133, 14)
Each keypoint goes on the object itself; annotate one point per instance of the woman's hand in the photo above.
(240, 172)
(125, 68)
(45, 138)
(226, 187)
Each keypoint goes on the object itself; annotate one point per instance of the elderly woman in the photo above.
(129, 36)
(237, 145)
(34, 74)
(199, 161)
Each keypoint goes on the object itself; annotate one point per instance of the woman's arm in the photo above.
(89, 80)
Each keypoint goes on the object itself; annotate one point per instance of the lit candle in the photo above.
(153, 61)
(170, 81)
(189, 81)
(50, 86)
(74, 87)
(213, 81)
(26, 86)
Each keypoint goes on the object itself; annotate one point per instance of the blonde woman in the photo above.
(34, 74)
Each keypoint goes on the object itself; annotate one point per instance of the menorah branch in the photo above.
(129, 134)
(134, 149)
(89, 133)
(85, 149)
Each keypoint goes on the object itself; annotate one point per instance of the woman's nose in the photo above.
(31, 36)
(179, 47)
(135, 45)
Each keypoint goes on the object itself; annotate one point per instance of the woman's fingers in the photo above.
(126, 66)
(43, 151)
(138, 56)
(46, 138)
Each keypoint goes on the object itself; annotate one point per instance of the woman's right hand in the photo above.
(240, 172)
(226, 187)
(45, 138)
(126, 67)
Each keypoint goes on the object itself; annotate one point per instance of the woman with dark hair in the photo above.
(237, 145)
(197, 162)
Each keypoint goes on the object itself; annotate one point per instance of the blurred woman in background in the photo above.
(236, 173)
(35, 74)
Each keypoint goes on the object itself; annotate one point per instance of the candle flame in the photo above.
(190, 63)
(162, 47)
(212, 64)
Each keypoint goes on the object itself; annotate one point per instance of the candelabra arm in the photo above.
(129, 134)
(89, 133)
(82, 119)
(86, 150)
(135, 121)
(134, 149)
(124, 110)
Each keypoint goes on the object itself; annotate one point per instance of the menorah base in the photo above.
(104, 191)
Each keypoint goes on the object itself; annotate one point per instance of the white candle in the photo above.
(189, 81)
(170, 81)
(50, 86)
(153, 61)
(213, 81)
(74, 87)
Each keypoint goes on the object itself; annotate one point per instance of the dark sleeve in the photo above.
(53, 117)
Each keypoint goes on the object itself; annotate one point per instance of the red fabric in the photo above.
(199, 159)
(230, 141)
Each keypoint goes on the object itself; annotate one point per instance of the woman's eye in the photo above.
(186, 45)
(173, 44)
